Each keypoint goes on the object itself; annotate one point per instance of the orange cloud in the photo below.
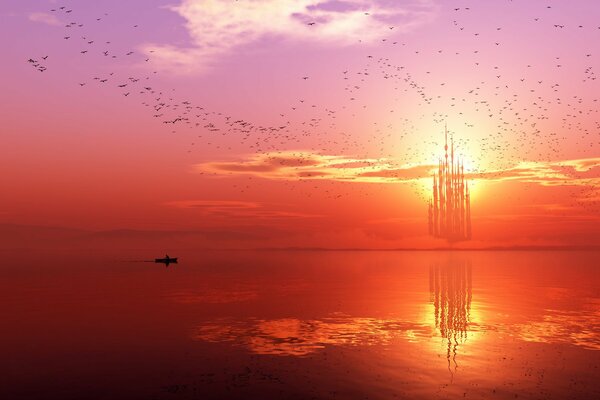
(402, 174)
(582, 172)
(302, 165)
(237, 209)
(307, 165)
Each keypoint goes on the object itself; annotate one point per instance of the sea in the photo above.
(300, 324)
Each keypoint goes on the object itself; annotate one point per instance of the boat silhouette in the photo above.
(167, 260)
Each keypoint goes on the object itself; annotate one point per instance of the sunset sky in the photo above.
(304, 123)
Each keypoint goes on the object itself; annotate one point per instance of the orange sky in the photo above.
(301, 134)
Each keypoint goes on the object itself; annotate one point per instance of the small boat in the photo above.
(167, 260)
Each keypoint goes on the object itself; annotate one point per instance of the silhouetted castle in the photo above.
(450, 208)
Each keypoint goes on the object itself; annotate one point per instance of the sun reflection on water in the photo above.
(451, 294)
(577, 328)
(451, 323)
(296, 337)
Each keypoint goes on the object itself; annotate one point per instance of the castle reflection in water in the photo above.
(450, 294)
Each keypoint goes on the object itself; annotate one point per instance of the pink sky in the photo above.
(219, 130)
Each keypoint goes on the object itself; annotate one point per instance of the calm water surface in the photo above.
(300, 325)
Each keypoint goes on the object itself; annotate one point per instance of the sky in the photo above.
(306, 123)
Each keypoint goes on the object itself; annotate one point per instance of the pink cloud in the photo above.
(217, 27)
(44, 18)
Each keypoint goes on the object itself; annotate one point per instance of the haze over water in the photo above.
(301, 324)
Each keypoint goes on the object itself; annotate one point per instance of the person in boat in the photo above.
(166, 256)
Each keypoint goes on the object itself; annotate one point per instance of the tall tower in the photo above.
(449, 182)
(431, 232)
(436, 210)
(468, 216)
(461, 221)
(450, 208)
(442, 199)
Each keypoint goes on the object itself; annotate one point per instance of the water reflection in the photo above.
(579, 328)
(450, 292)
(451, 315)
(296, 337)
(382, 325)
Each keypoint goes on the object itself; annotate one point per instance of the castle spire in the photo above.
(452, 151)
(450, 205)
(468, 232)
(446, 145)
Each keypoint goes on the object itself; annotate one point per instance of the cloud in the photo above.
(237, 209)
(215, 205)
(44, 18)
(217, 27)
(271, 163)
(580, 172)
(402, 174)
(582, 165)
(307, 165)
(300, 165)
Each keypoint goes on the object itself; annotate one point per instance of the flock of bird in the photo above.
(505, 117)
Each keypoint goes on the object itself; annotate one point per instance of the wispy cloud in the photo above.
(217, 27)
(578, 172)
(44, 18)
(238, 209)
(300, 165)
(304, 165)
